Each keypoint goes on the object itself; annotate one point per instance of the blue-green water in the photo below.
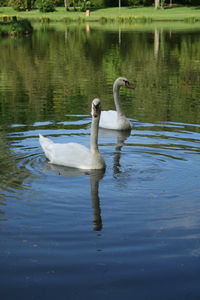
(131, 232)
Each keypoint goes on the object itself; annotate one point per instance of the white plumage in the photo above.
(115, 119)
(70, 154)
(73, 154)
(110, 119)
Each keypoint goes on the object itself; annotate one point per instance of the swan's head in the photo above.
(123, 81)
(96, 108)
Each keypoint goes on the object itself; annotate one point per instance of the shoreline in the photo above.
(110, 15)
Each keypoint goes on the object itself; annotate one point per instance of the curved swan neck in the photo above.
(117, 101)
(94, 135)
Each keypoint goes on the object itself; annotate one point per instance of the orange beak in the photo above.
(128, 85)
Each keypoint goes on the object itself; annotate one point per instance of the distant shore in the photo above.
(123, 14)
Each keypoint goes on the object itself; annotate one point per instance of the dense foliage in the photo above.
(45, 5)
(4, 3)
(112, 3)
(49, 5)
(21, 4)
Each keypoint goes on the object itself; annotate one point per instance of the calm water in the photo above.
(132, 232)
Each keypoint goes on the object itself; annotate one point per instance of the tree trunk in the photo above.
(29, 6)
(74, 5)
(157, 4)
(66, 3)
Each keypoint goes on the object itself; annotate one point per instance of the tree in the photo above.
(46, 6)
(22, 4)
(66, 4)
(157, 3)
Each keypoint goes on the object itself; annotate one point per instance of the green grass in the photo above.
(124, 14)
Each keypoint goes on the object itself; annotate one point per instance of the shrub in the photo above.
(97, 3)
(4, 3)
(84, 5)
(45, 6)
(140, 2)
(110, 3)
(18, 4)
(21, 4)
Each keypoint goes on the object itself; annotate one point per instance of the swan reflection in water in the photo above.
(121, 136)
(95, 177)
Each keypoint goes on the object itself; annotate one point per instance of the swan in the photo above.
(115, 119)
(73, 154)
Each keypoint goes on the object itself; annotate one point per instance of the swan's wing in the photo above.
(109, 119)
(71, 154)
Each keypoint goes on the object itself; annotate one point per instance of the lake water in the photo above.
(132, 232)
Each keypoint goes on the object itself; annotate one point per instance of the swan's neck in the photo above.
(117, 101)
(94, 135)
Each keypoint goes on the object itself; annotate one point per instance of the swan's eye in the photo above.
(96, 109)
(96, 106)
(128, 85)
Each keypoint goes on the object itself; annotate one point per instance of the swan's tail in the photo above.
(45, 143)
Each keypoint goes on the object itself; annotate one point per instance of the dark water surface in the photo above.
(132, 232)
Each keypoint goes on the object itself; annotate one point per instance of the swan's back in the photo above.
(111, 120)
(71, 154)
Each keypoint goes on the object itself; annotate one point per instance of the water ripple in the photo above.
(143, 152)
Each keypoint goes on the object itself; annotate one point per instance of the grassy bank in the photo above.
(124, 14)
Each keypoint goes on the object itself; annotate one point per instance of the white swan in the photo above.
(73, 154)
(112, 119)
